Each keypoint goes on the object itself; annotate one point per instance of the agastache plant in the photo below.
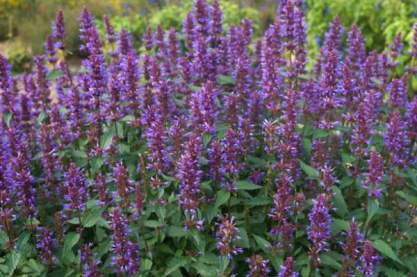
(217, 148)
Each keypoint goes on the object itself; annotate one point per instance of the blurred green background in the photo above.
(24, 24)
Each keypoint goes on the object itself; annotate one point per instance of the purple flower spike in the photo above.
(6, 86)
(90, 264)
(58, 30)
(76, 190)
(396, 139)
(398, 93)
(216, 23)
(287, 269)
(125, 252)
(351, 248)
(227, 234)
(204, 109)
(123, 184)
(375, 176)
(319, 229)
(50, 50)
(369, 259)
(190, 175)
(110, 34)
(45, 245)
(258, 266)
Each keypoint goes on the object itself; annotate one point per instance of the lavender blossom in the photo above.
(6, 86)
(319, 229)
(226, 235)
(123, 184)
(351, 248)
(125, 252)
(148, 39)
(216, 23)
(258, 266)
(90, 264)
(45, 245)
(110, 34)
(281, 213)
(396, 139)
(375, 176)
(100, 187)
(190, 175)
(58, 30)
(76, 190)
(231, 154)
(287, 269)
(398, 93)
(204, 109)
(50, 50)
(369, 259)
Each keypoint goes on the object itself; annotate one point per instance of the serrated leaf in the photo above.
(339, 202)
(262, 243)
(244, 239)
(329, 260)
(146, 265)
(386, 250)
(176, 232)
(106, 139)
(226, 80)
(174, 264)
(409, 198)
(246, 185)
(54, 75)
(259, 201)
(339, 225)
(310, 171)
(70, 241)
(221, 198)
(12, 261)
(91, 218)
(153, 224)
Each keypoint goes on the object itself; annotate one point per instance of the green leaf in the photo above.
(386, 250)
(91, 217)
(174, 264)
(329, 260)
(221, 198)
(12, 261)
(54, 75)
(3, 238)
(176, 232)
(244, 239)
(339, 202)
(7, 117)
(246, 185)
(262, 243)
(259, 201)
(70, 241)
(373, 208)
(409, 198)
(225, 80)
(390, 272)
(310, 171)
(146, 265)
(339, 225)
(153, 224)
(106, 139)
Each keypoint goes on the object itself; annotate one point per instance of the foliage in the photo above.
(19, 57)
(379, 20)
(201, 157)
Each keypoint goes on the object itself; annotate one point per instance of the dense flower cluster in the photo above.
(129, 159)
